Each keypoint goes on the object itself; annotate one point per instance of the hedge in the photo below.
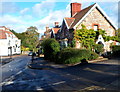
(72, 55)
(116, 50)
(115, 47)
(93, 56)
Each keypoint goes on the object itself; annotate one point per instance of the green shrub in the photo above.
(116, 50)
(72, 60)
(93, 56)
(98, 48)
(51, 47)
(72, 55)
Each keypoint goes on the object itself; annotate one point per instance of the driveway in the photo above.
(93, 76)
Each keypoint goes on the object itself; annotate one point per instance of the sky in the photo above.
(21, 14)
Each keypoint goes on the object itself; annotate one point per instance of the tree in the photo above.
(118, 35)
(51, 48)
(31, 38)
(15, 33)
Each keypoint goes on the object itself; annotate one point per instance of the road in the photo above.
(96, 75)
(14, 67)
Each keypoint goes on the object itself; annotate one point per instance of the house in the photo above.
(47, 33)
(51, 32)
(9, 43)
(93, 17)
(55, 31)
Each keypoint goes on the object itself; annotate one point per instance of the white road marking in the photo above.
(58, 83)
(19, 72)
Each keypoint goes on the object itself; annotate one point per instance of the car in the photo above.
(31, 53)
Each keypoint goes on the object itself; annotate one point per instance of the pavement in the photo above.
(7, 59)
(40, 63)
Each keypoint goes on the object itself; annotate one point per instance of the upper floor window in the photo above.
(95, 27)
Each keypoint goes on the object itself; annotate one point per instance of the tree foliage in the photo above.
(29, 38)
(118, 35)
(51, 47)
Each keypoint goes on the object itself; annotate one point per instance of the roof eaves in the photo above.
(71, 23)
(66, 23)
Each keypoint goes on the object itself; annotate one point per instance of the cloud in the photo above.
(16, 23)
(24, 10)
(9, 7)
(119, 14)
(43, 8)
(20, 29)
(55, 16)
(8, 19)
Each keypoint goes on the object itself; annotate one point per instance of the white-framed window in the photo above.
(95, 27)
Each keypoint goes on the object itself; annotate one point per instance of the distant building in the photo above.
(55, 31)
(47, 33)
(9, 43)
(51, 32)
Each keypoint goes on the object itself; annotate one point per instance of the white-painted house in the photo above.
(9, 43)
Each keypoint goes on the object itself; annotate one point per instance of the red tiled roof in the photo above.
(69, 20)
(55, 30)
(3, 33)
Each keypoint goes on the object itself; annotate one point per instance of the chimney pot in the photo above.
(47, 28)
(56, 24)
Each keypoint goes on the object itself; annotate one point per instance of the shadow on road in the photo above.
(96, 74)
(75, 77)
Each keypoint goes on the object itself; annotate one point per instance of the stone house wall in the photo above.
(96, 18)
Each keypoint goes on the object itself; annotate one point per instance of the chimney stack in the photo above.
(75, 7)
(47, 28)
(56, 24)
